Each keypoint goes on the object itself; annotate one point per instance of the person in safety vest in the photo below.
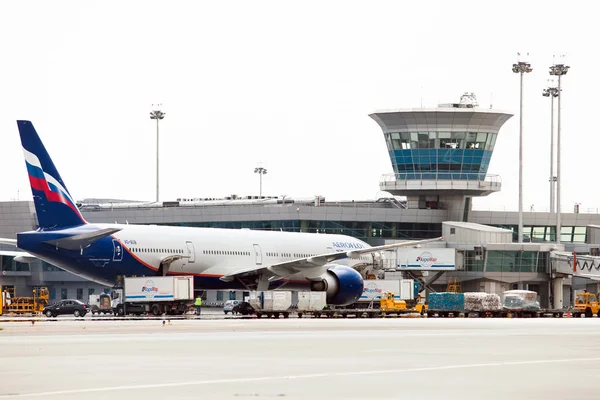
(198, 304)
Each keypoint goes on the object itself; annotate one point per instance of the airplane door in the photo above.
(117, 251)
(258, 254)
(191, 252)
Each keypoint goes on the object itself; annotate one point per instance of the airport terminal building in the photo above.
(440, 158)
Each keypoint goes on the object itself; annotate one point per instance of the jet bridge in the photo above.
(573, 264)
(565, 264)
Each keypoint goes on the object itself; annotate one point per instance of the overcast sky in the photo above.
(288, 84)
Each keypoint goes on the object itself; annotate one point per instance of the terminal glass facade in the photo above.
(386, 230)
(440, 155)
(8, 264)
(516, 261)
(539, 234)
(358, 229)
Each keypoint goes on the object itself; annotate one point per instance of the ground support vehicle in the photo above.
(157, 295)
(271, 303)
(24, 305)
(101, 304)
(586, 304)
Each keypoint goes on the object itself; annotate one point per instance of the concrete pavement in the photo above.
(302, 358)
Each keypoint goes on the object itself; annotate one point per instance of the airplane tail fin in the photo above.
(54, 205)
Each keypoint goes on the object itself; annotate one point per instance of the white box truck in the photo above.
(403, 289)
(156, 295)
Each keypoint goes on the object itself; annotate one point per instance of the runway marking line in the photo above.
(291, 377)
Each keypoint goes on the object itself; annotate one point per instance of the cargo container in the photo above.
(311, 302)
(451, 304)
(515, 304)
(271, 303)
(524, 304)
(156, 295)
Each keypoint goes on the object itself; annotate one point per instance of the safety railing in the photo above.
(445, 176)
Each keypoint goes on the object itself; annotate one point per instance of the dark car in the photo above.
(243, 308)
(75, 307)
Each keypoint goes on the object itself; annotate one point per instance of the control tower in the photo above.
(440, 156)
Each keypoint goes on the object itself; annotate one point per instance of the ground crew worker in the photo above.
(198, 304)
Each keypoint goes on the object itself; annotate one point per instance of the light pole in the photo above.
(558, 70)
(157, 114)
(260, 171)
(552, 92)
(521, 68)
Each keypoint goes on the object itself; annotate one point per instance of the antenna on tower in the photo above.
(491, 99)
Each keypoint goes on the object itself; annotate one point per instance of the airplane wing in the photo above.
(314, 265)
(10, 242)
(20, 256)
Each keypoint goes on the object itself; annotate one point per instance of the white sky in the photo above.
(288, 84)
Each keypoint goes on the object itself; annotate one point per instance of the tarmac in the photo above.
(400, 358)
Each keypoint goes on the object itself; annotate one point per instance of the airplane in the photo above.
(220, 259)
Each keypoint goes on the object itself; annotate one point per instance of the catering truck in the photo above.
(158, 295)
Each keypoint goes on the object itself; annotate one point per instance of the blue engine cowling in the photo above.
(343, 285)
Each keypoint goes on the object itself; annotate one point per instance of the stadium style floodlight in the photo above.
(558, 70)
(552, 92)
(157, 114)
(521, 68)
(260, 171)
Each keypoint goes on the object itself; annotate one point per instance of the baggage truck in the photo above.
(452, 304)
(157, 295)
(515, 304)
(524, 304)
(271, 303)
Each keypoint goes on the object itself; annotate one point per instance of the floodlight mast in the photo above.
(260, 171)
(558, 70)
(552, 92)
(521, 68)
(157, 114)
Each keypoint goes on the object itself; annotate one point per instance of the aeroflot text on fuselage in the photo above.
(348, 245)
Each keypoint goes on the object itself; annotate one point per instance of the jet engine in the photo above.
(343, 285)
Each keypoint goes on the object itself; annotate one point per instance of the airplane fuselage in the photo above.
(206, 253)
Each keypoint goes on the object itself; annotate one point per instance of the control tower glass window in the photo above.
(442, 155)
(452, 140)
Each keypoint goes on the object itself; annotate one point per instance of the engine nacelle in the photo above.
(343, 285)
